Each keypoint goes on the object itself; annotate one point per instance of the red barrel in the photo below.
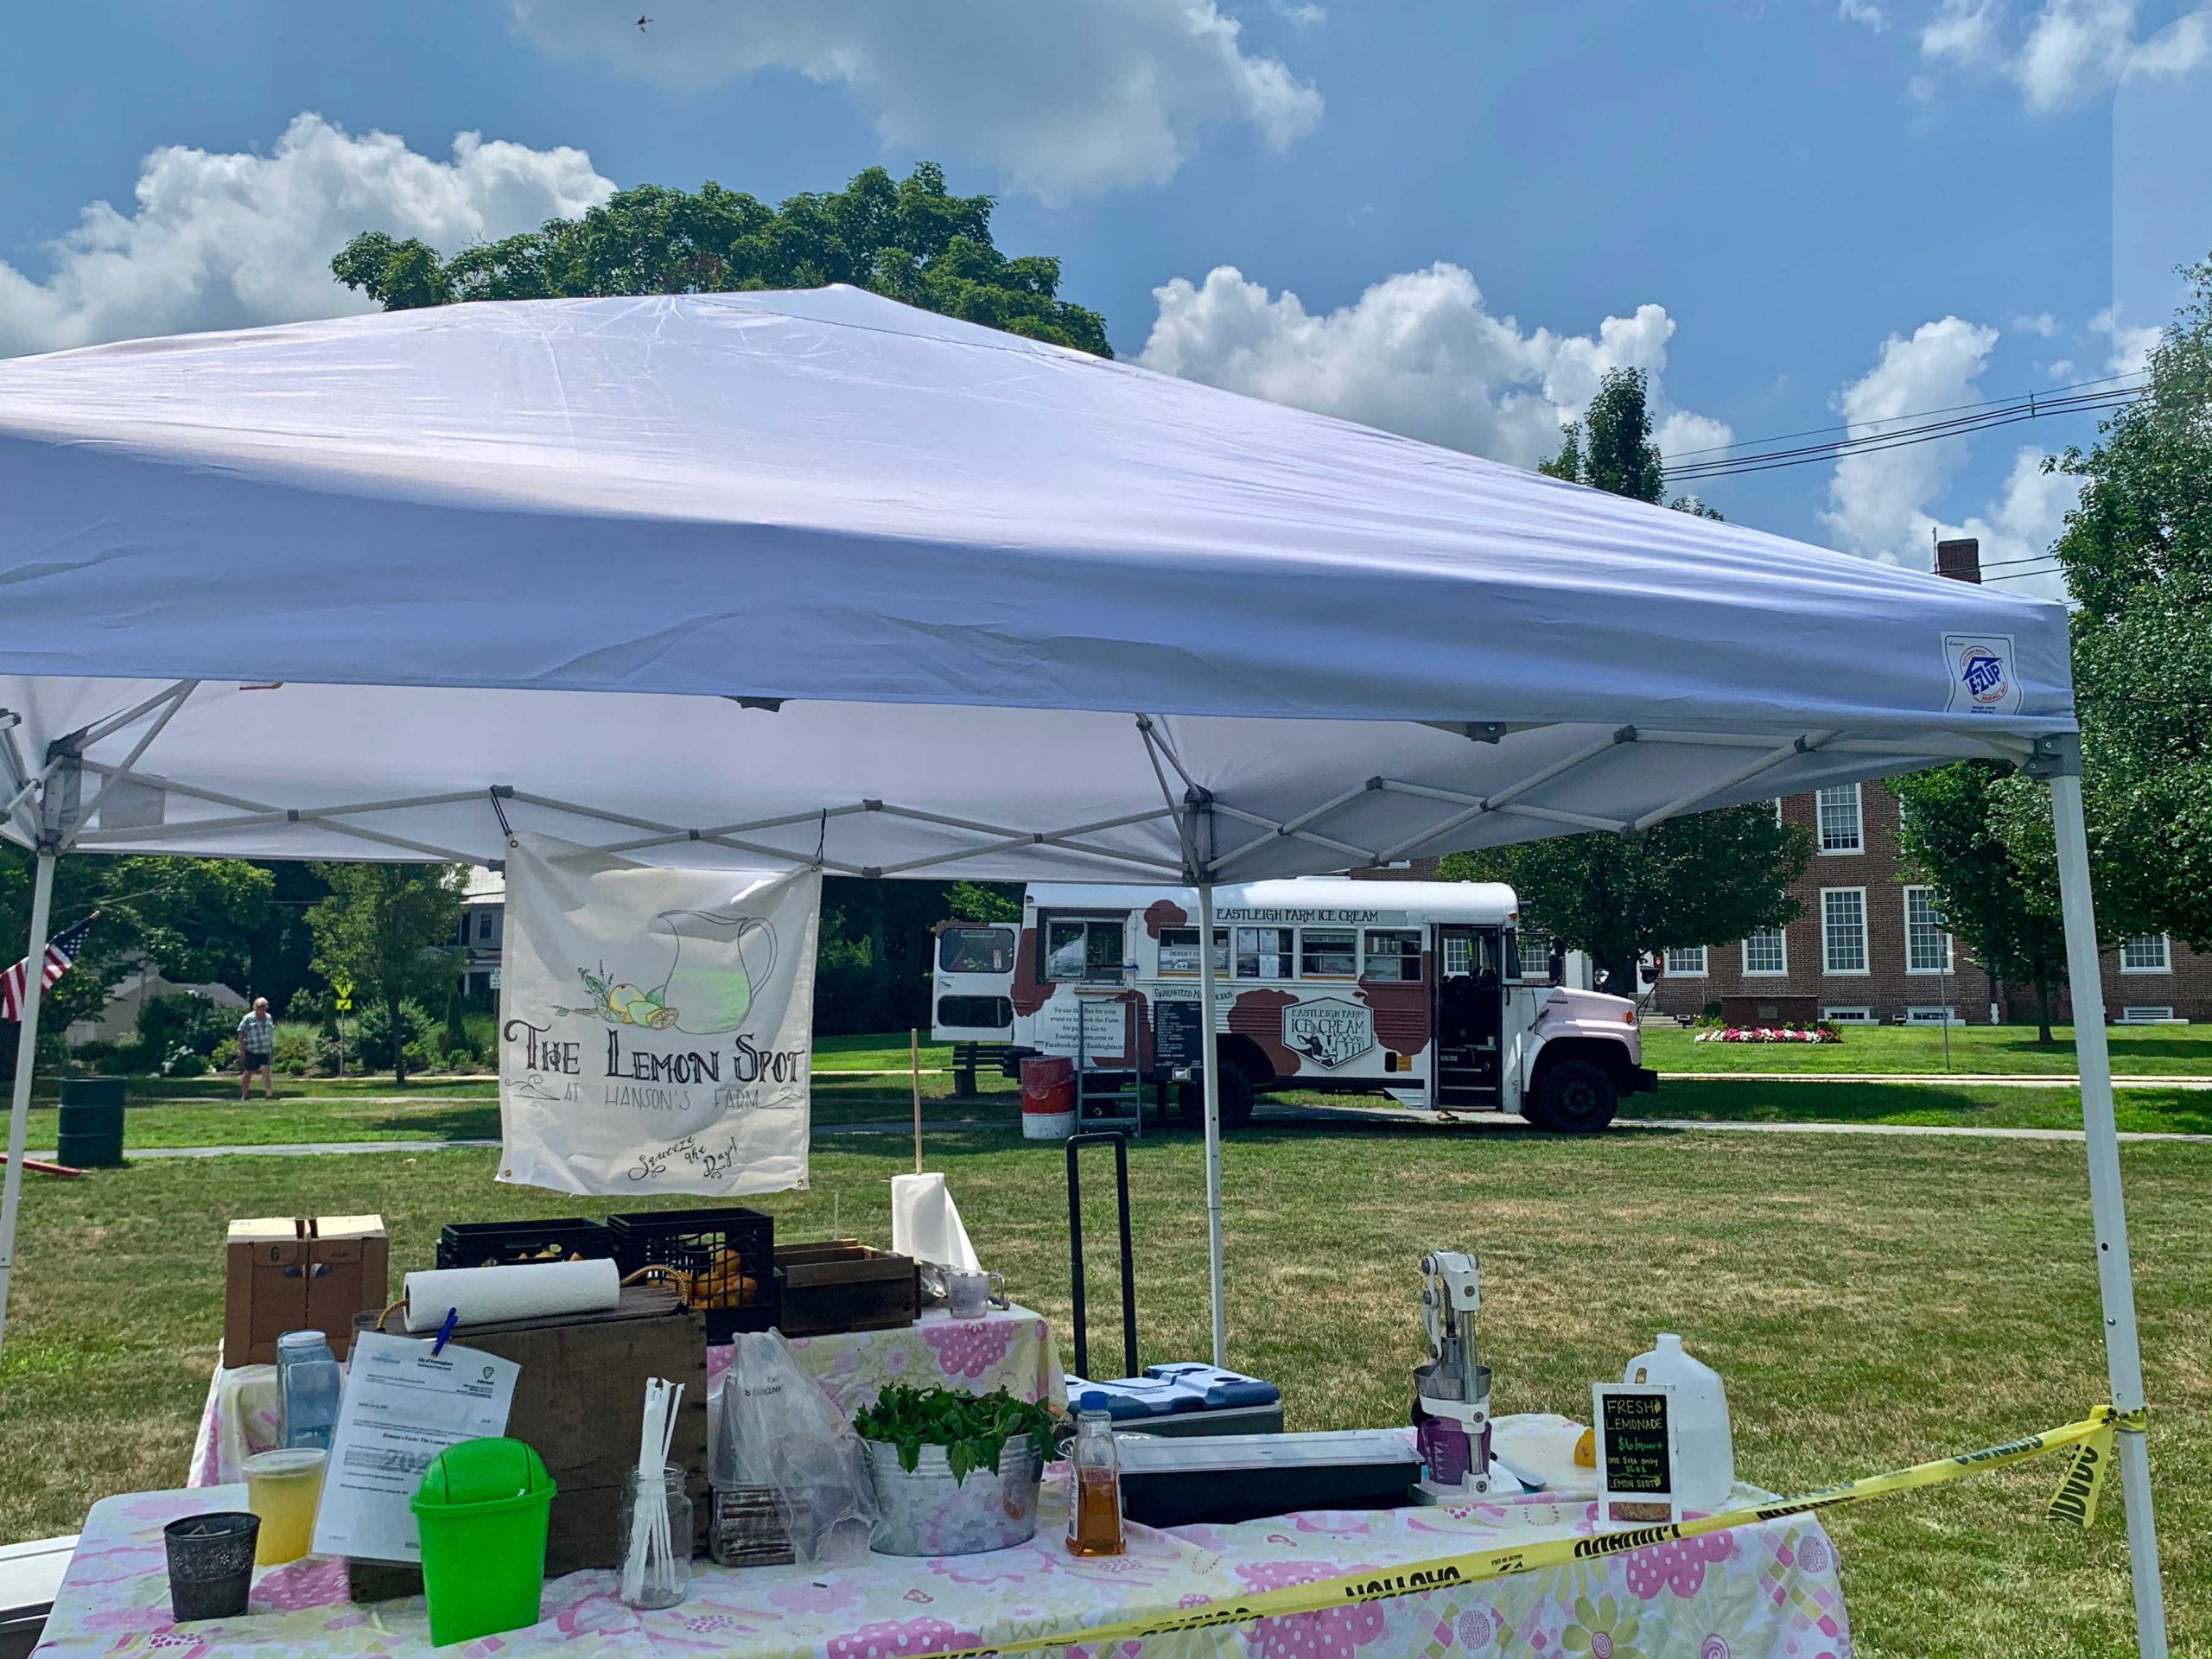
(1048, 1085)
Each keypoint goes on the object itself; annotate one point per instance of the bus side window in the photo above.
(1393, 956)
(1264, 953)
(975, 950)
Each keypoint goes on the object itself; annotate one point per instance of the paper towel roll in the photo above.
(925, 1224)
(531, 1290)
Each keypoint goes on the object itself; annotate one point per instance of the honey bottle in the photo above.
(1093, 1481)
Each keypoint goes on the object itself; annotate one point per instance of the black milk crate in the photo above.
(510, 1243)
(724, 1261)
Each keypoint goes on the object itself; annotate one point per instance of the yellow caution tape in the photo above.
(2075, 1503)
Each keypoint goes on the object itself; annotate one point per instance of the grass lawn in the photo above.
(2147, 1110)
(2136, 1051)
(1871, 1302)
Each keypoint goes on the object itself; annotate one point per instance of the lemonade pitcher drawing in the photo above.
(717, 958)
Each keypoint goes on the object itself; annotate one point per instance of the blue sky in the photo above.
(1792, 213)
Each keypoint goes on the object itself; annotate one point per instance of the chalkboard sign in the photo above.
(1636, 1454)
(1178, 1037)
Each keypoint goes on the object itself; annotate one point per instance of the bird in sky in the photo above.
(642, 22)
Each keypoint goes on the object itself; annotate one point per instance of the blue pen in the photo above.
(445, 1331)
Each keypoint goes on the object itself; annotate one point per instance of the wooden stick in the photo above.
(914, 1053)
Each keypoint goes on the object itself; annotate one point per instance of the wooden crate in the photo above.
(842, 1285)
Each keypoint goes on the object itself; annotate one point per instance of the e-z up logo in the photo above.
(1981, 671)
(1329, 1032)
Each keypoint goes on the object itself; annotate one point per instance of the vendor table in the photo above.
(1008, 1348)
(1767, 1590)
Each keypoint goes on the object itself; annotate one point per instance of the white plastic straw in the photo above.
(651, 1545)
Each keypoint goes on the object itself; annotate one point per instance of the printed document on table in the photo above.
(403, 1405)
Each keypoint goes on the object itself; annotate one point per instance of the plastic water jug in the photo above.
(1702, 1442)
(308, 1387)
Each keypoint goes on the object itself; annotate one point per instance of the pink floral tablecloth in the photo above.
(1008, 1348)
(1764, 1592)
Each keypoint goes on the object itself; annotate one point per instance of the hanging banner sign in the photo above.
(656, 1026)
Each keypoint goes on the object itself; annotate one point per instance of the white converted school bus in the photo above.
(1412, 988)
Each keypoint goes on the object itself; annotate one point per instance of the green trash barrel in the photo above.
(91, 1136)
(481, 1511)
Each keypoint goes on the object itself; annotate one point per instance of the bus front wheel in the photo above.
(1576, 1097)
(1236, 1090)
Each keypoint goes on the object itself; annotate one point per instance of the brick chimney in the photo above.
(1960, 560)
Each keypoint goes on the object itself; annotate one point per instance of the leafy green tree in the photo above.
(1610, 447)
(1708, 878)
(1968, 830)
(194, 918)
(910, 240)
(387, 929)
(2136, 551)
(984, 901)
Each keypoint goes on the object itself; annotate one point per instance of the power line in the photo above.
(2034, 407)
(2045, 394)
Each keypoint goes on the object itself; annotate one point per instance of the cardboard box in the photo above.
(576, 1404)
(301, 1273)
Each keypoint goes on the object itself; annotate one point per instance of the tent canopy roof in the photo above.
(547, 546)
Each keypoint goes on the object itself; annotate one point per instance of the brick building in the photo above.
(1867, 944)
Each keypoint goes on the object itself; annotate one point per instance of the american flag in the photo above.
(60, 950)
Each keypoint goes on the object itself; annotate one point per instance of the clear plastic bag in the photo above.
(778, 1428)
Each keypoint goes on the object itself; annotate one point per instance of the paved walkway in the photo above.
(1978, 1079)
(1270, 1114)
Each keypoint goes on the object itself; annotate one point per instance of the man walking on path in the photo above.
(257, 1050)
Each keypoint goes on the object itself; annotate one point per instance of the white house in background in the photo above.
(483, 931)
(119, 1018)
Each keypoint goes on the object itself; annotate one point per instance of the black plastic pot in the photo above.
(211, 1563)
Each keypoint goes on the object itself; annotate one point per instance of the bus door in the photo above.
(1470, 1015)
(973, 975)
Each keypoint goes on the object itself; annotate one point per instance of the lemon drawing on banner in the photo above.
(717, 959)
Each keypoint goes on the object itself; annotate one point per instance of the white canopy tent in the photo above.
(799, 578)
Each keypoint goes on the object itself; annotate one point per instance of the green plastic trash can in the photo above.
(91, 1133)
(481, 1511)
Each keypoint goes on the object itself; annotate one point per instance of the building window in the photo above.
(1686, 961)
(1393, 956)
(1767, 952)
(1918, 1015)
(1077, 948)
(1927, 946)
(1841, 830)
(2146, 953)
(1328, 953)
(487, 925)
(1179, 952)
(1264, 953)
(2136, 1014)
(1839, 1016)
(1843, 930)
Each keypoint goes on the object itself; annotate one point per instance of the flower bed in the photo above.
(1771, 1034)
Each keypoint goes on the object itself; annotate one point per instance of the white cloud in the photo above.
(2070, 50)
(1878, 502)
(2021, 525)
(1418, 352)
(2131, 343)
(1880, 505)
(2043, 323)
(219, 241)
(1863, 13)
(1306, 15)
(1060, 98)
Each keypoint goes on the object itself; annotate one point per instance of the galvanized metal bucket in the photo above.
(926, 1512)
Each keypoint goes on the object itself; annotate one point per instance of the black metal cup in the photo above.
(211, 1563)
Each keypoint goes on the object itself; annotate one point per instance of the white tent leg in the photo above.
(2123, 1358)
(1209, 1035)
(12, 1187)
